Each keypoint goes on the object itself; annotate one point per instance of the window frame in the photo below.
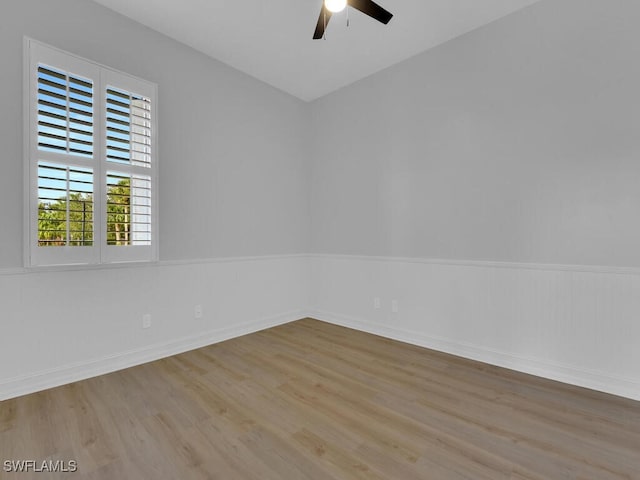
(37, 53)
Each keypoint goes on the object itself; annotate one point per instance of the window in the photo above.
(92, 162)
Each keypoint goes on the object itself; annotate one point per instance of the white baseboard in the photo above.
(56, 377)
(562, 373)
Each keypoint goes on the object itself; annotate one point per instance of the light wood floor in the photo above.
(309, 400)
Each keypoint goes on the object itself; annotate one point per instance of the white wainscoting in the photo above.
(63, 325)
(579, 325)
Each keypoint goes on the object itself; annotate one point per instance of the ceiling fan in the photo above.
(368, 7)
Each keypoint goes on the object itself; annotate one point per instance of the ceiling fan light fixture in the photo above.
(368, 7)
(335, 6)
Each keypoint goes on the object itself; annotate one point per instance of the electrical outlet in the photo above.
(376, 303)
(146, 320)
(197, 311)
(394, 306)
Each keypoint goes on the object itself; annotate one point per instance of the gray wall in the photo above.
(233, 164)
(517, 142)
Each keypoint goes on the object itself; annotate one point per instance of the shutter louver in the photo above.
(65, 113)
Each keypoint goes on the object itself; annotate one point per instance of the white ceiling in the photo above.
(271, 39)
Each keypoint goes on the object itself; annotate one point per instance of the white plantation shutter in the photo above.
(68, 222)
(128, 196)
(129, 155)
(65, 128)
(128, 128)
(65, 113)
(91, 162)
(62, 158)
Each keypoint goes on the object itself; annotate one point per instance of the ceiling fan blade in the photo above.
(372, 9)
(323, 21)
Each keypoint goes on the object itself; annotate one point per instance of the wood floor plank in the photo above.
(314, 401)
